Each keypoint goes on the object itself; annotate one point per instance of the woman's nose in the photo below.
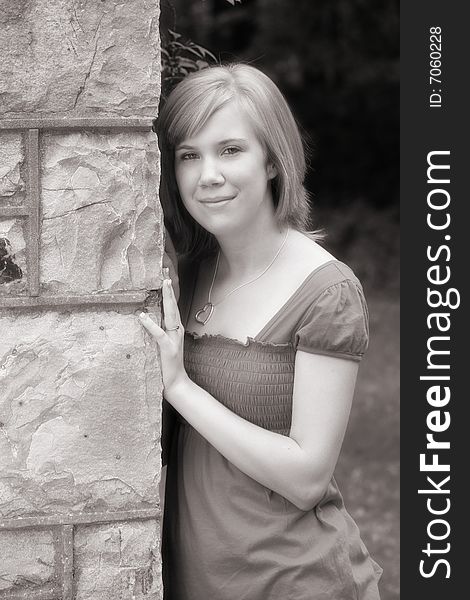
(211, 173)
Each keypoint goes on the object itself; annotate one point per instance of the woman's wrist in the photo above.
(179, 388)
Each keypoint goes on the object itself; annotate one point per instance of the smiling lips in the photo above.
(217, 200)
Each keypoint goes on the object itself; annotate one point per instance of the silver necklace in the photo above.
(205, 313)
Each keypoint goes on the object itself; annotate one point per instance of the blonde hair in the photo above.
(188, 108)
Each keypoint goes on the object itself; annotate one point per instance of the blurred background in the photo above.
(337, 63)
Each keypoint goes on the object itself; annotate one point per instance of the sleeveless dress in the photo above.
(227, 537)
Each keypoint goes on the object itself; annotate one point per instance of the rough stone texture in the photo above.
(79, 57)
(79, 413)
(26, 559)
(80, 387)
(12, 183)
(117, 560)
(98, 198)
(13, 270)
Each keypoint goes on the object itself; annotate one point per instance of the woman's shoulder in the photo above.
(329, 308)
(317, 263)
(306, 247)
(313, 265)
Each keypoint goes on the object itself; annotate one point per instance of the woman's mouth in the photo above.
(216, 200)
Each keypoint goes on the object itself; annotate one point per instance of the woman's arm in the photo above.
(298, 467)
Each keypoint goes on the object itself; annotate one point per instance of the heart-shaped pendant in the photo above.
(205, 313)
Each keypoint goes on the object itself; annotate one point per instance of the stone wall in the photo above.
(81, 243)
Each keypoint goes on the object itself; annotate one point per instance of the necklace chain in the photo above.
(205, 313)
(247, 282)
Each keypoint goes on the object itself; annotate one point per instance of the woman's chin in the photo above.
(221, 225)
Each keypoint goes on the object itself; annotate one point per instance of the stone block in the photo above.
(12, 184)
(27, 559)
(117, 560)
(79, 58)
(13, 268)
(100, 223)
(79, 412)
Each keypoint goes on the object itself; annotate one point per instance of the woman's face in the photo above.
(223, 175)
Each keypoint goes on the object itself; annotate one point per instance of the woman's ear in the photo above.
(272, 171)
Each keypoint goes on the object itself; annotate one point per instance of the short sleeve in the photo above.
(337, 324)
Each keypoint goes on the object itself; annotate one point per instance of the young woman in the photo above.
(260, 359)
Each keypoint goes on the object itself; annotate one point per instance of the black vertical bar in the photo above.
(434, 119)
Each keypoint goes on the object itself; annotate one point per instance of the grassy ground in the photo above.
(368, 470)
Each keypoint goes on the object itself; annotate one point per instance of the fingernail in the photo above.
(166, 273)
(142, 315)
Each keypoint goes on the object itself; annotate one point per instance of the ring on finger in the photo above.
(173, 328)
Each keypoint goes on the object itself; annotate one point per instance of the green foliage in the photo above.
(179, 58)
(182, 56)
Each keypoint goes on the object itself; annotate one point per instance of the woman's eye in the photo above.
(188, 156)
(231, 150)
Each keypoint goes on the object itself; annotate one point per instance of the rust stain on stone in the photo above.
(9, 270)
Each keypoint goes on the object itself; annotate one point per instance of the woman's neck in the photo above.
(249, 251)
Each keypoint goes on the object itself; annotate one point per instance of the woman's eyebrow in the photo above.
(233, 141)
(185, 146)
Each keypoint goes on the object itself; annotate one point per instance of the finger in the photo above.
(170, 306)
(154, 330)
(172, 296)
(170, 271)
(150, 325)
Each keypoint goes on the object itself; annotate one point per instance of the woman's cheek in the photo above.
(186, 179)
(191, 206)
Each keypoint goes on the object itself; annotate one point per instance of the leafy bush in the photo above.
(179, 58)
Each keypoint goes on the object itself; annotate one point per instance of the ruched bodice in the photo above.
(257, 380)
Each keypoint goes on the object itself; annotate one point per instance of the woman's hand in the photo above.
(170, 339)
